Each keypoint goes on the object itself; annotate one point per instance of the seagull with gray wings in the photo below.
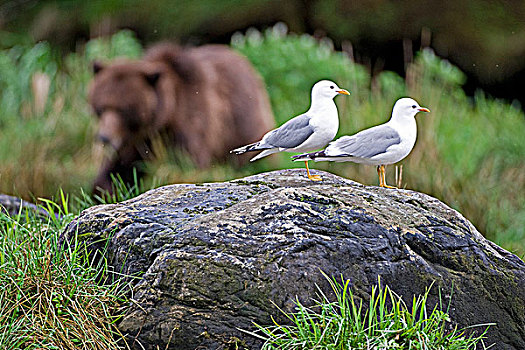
(379, 145)
(306, 132)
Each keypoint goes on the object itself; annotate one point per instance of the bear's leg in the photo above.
(126, 166)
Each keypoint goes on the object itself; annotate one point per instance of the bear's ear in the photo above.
(184, 66)
(152, 78)
(97, 66)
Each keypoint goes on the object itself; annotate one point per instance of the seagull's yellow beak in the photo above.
(423, 109)
(343, 92)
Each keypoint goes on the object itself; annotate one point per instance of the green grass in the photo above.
(54, 296)
(385, 323)
(470, 152)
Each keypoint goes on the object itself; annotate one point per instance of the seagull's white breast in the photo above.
(407, 131)
(325, 122)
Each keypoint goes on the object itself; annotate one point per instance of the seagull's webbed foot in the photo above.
(387, 186)
(310, 176)
(315, 177)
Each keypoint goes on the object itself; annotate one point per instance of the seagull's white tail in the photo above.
(265, 153)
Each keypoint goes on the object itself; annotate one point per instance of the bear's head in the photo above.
(124, 99)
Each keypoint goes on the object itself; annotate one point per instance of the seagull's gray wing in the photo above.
(292, 133)
(367, 143)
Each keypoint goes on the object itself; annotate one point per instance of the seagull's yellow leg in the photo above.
(379, 175)
(383, 174)
(311, 177)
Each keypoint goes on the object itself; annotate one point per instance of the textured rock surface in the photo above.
(212, 256)
(14, 206)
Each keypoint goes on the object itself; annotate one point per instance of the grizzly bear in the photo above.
(205, 100)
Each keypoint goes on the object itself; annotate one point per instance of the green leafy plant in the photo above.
(385, 323)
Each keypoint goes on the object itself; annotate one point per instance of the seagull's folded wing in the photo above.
(365, 144)
(292, 133)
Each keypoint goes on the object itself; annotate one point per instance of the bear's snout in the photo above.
(104, 139)
(111, 130)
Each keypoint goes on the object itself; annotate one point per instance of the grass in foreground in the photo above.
(53, 297)
(387, 323)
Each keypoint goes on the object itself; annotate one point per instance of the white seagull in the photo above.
(379, 145)
(306, 132)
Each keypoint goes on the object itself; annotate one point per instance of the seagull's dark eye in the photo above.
(414, 106)
(332, 87)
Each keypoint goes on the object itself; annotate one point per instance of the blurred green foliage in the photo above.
(291, 64)
(17, 66)
(121, 44)
(470, 152)
(485, 38)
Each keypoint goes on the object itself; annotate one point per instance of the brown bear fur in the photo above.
(207, 100)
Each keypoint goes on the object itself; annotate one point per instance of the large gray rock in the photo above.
(211, 257)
